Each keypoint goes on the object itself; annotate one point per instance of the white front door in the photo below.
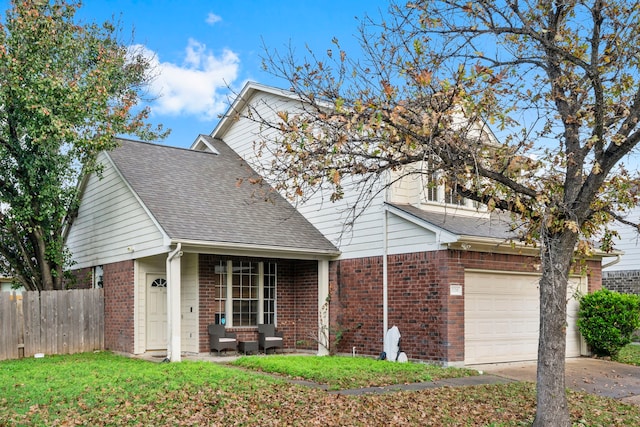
(156, 311)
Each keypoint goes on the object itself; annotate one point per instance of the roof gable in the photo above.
(215, 198)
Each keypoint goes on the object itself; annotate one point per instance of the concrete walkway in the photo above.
(594, 376)
(450, 382)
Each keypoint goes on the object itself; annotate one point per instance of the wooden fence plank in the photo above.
(100, 325)
(63, 300)
(76, 320)
(9, 326)
(4, 325)
(51, 322)
(48, 331)
(31, 311)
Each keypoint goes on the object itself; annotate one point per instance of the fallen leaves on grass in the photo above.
(287, 404)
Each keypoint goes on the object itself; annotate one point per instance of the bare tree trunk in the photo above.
(557, 254)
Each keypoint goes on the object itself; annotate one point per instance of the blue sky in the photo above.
(201, 46)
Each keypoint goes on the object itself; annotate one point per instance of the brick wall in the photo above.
(80, 279)
(431, 321)
(417, 303)
(356, 304)
(594, 275)
(296, 299)
(304, 330)
(626, 282)
(119, 306)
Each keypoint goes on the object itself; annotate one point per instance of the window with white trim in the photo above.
(431, 183)
(244, 292)
(451, 196)
(438, 189)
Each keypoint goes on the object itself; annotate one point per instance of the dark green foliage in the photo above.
(607, 320)
(66, 90)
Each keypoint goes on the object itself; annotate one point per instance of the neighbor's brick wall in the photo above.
(119, 306)
(626, 281)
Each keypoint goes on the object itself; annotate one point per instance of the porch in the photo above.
(180, 294)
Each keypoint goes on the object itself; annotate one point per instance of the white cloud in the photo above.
(212, 18)
(195, 88)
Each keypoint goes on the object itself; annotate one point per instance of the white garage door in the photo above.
(501, 317)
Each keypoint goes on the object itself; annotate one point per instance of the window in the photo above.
(451, 196)
(440, 189)
(431, 184)
(245, 293)
(220, 292)
(251, 287)
(160, 282)
(269, 295)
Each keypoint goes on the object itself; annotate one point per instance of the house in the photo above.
(184, 238)
(180, 239)
(441, 269)
(5, 284)
(623, 274)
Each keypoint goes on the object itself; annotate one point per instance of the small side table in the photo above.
(248, 347)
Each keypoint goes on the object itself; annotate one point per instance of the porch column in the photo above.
(174, 284)
(323, 308)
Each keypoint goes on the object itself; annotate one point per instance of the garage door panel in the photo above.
(502, 317)
(504, 350)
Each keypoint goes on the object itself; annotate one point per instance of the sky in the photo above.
(203, 47)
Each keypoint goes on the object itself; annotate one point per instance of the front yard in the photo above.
(103, 389)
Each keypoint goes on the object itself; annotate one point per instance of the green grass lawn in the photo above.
(629, 354)
(103, 389)
(340, 373)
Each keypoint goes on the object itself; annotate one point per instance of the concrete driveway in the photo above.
(595, 376)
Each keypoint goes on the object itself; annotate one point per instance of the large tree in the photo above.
(527, 107)
(66, 89)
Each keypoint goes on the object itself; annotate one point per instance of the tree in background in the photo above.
(528, 107)
(66, 89)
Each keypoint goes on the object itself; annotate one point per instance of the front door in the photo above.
(156, 311)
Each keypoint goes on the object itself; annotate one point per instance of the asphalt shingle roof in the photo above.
(496, 226)
(208, 197)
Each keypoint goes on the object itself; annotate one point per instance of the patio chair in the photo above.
(269, 338)
(220, 339)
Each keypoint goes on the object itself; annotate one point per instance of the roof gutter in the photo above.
(475, 243)
(233, 248)
(614, 262)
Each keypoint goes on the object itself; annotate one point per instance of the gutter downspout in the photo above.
(614, 262)
(173, 304)
(385, 266)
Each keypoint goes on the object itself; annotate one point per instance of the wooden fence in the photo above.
(51, 322)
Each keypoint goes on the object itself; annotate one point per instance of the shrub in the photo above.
(607, 320)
